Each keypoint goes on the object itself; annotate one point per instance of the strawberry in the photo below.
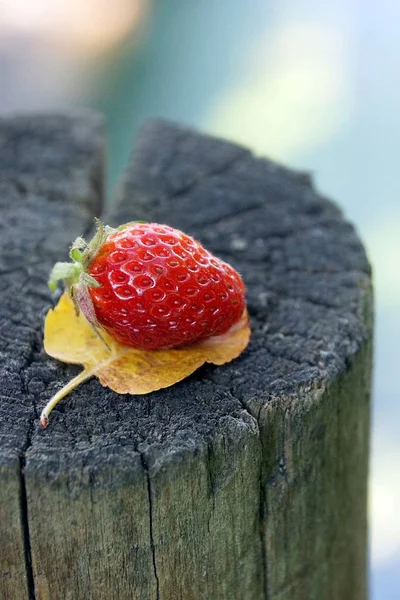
(151, 286)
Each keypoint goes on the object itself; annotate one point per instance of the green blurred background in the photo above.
(312, 84)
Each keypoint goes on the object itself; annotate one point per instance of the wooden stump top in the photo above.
(266, 447)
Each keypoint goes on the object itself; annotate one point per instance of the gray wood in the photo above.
(245, 481)
(50, 172)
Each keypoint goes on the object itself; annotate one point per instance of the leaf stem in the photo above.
(71, 385)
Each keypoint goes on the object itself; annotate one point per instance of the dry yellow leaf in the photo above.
(124, 369)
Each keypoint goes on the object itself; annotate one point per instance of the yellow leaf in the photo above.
(124, 369)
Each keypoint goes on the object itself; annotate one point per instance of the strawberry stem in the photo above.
(71, 385)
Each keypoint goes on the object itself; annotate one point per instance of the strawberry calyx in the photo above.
(75, 274)
(76, 277)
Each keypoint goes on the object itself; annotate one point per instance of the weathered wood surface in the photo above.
(246, 481)
(49, 169)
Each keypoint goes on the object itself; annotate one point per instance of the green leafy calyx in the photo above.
(75, 274)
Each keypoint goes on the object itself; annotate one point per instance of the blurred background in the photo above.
(312, 84)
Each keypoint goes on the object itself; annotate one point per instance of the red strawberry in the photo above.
(151, 286)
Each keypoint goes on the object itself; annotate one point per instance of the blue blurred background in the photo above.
(312, 84)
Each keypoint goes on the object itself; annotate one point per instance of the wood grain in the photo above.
(50, 170)
(246, 481)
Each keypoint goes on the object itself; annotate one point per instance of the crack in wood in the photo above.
(151, 533)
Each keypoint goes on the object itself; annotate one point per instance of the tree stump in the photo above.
(246, 481)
